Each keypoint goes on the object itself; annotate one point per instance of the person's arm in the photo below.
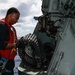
(11, 46)
(4, 36)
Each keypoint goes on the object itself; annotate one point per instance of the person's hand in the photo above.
(11, 46)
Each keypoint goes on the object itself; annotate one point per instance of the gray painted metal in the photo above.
(62, 62)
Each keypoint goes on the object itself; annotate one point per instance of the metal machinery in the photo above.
(50, 49)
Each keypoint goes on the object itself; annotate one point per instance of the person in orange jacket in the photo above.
(8, 39)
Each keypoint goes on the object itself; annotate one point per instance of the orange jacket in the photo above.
(12, 38)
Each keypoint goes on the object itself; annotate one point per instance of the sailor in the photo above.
(8, 40)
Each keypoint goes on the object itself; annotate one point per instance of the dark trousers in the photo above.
(9, 68)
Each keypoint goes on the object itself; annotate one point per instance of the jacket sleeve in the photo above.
(4, 35)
